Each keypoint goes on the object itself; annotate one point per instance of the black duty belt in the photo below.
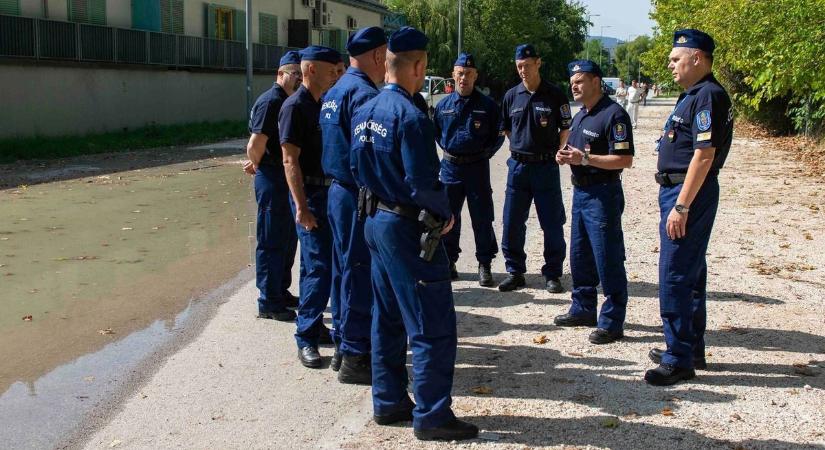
(318, 181)
(409, 212)
(465, 159)
(525, 158)
(346, 185)
(595, 178)
(670, 179)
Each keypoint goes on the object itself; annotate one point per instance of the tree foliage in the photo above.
(628, 61)
(492, 30)
(768, 53)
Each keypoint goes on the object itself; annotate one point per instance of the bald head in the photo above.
(407, 69)
(372, 62)
(689, 65)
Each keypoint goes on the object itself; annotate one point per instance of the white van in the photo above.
(434, 89)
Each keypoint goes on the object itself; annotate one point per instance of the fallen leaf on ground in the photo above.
(483, 390)
(125, 228)
(785, 245)
(106, 331)
(575, 354)
(667, 412)
(89, 379)
(27, 318)
(632, 415)
(540, 339)
(610, 422)
(809, 237)
(735, 416)
(115, 443)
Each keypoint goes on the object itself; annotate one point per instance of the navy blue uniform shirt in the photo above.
(263, 119)
(298, 123)
(350, 92)
(606, 128)
(394, 155)
(535, 120)
(703, 118)
(467, 125)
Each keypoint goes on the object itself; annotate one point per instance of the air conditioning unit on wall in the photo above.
(327, 19)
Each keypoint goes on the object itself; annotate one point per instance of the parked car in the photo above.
(434, 89)
(609, 86)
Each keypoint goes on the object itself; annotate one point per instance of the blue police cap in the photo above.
(525, 51)
(465, 60)
(692, 38)
(366, 39)
(407, 39)
(319, 53)
(290, 57)
(584, 66)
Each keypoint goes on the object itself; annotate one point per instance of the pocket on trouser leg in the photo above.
(436, 311)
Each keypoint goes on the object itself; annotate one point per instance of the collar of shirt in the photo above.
(276, 88)
(601, 104)
(543, 87)
(304, 94)
(709, 78)
(356, 72)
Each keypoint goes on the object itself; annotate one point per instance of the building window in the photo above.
(171, 16)
(335, 38)
(223, 22)
(267, 29)
(87, 11)
(10, 7)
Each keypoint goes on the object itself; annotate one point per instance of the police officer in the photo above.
(301, 147)
(693, 148)
(394, 156)
(467, 128)
(351, 259)
(276, 238)
(599, 147)
(536, 118)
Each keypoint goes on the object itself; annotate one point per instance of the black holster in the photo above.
(367, 203)
(431, 236)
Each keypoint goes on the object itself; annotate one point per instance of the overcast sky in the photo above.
(624, 17)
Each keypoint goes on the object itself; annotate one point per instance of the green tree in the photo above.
(627, 59)
(492, 30)
(769, 54)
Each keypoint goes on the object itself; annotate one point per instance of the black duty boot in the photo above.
(290, 301)
(569, 320)
(666, 375)
(310, 357)
(554, 286)
(485, 276)
(286, 315)
(655, 355)
(512, 282)
(355, 369)
(453, 272)
(402, 414)
(335, 363)
(455, 430)
(602, 336)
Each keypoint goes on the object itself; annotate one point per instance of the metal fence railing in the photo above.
(27, 37)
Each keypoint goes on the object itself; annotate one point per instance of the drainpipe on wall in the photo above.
(45, 9)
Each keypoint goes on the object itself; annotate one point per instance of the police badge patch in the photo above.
(477, 124)
(543, 120)
(703, 120)
(620, 132)
(565, 111)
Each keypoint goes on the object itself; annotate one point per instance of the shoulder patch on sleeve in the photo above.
(620, 132)
(703, 120)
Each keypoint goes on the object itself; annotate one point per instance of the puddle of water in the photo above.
(94, 259)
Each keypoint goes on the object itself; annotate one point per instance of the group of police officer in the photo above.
(351, 170)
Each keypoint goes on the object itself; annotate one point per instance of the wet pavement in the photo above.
(96, 268)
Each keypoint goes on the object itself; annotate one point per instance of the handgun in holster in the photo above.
(367, 203)
(431, 236)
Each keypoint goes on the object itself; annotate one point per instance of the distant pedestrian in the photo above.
(634, 94)
(621, 95)
(645, 91)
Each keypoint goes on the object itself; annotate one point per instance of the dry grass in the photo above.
(809, 151)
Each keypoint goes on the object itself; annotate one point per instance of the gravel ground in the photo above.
(239, 384)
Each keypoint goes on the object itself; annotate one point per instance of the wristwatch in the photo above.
(586, 157)
(681, 209)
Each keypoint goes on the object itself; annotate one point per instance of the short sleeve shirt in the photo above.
(467, 125)
(703, 118)
(534, 120)
(606, 128)
(298, 124)
(263, 119)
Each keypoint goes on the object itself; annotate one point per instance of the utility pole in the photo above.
(248, 57)
(601, 43)
(460, 24)
(587, 35)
